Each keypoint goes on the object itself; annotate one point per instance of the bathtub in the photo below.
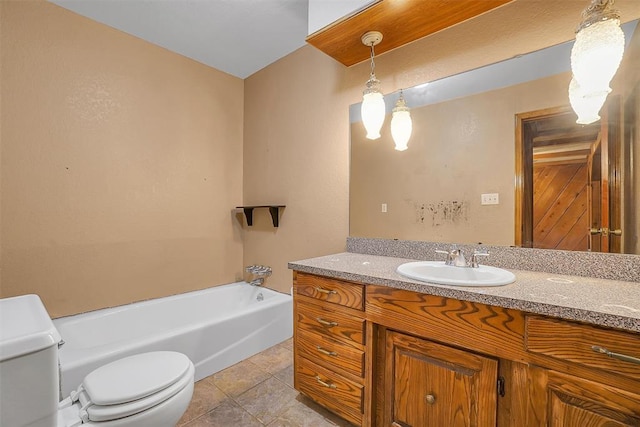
(215, 328)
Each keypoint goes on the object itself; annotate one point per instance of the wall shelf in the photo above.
(274, 210)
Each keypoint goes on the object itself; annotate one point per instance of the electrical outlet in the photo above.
(490, 199)
(383, 208)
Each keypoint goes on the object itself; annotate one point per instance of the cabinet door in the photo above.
(431, 385)
(568, 401)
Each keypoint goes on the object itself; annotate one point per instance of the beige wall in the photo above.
(295, 154)
(302, 158)
(121, 163)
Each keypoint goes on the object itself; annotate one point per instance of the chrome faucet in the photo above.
(260, 273)
(449, 259)
(474, 257)
(456, 258)
(257, 282)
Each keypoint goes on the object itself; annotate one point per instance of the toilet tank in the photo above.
(29, 379)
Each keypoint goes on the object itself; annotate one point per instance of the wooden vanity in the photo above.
(382, 356)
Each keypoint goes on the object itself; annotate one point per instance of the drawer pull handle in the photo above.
(613, 355)
(326, 291)
(327, 352)
(325, 384)
(326, 322)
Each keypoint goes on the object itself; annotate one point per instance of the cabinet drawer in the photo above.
(332, 352)
(568, 400)
(331, 323)
(330, 290)
(584, 344)
(331, 390)
(474, 326)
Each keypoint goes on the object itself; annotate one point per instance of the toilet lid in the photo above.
(135, 377)
(133, 384)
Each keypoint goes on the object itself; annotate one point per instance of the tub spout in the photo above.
(259, 273)
(257, 282)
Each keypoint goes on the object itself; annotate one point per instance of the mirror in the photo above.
(464, 150)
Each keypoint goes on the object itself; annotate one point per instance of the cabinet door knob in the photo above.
(430, 398)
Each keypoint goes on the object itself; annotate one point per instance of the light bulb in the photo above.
(596, 55)
(586, 105)
(401, 124)
(373, 109)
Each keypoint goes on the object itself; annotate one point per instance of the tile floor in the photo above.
(256, 392)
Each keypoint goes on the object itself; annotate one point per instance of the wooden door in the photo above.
(558, 220)
(598, 197)
(551, 179)
(431, 385)
(568, 401)
(604, 203)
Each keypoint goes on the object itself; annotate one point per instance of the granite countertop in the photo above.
(601, 302)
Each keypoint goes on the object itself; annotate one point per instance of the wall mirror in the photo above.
(505, 133)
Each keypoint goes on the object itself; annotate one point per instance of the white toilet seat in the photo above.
(132, 391)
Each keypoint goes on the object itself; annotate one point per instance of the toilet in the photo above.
(144, 390)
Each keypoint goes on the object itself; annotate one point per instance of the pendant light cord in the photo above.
(373, 64)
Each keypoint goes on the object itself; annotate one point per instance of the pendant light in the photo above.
(596, 55)
(586, 105)
(401, 124)
(373, 108)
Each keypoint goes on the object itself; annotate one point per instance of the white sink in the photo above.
(440, 273)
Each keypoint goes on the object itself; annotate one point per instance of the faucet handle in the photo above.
(474, 257)
(259, 270)
(449, 254)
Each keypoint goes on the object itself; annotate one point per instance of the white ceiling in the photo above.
(238, 37)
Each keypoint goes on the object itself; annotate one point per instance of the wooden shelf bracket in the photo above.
(274, 210)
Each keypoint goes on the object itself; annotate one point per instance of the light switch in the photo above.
(383, 208)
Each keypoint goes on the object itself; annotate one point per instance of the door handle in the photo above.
(605, 231)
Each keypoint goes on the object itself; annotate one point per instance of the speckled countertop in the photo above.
(602, 302)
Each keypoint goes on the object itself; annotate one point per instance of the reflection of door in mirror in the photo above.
(631, 165)
(567, 180)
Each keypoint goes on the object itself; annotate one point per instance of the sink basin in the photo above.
(440, 273)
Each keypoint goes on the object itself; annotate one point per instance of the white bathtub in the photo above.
(215, 328)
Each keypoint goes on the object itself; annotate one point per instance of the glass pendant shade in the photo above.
(586, 105)
(596, 54)
(595, 58)
(401, 125)
(373, 109)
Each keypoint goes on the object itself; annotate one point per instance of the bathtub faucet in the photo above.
(259, 273)
(257, 282)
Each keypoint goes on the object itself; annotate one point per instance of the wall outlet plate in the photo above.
(490, 199)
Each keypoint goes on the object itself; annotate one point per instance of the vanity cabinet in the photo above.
(568, 401)
(408, 359)
(431, 384)
(329, 344)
